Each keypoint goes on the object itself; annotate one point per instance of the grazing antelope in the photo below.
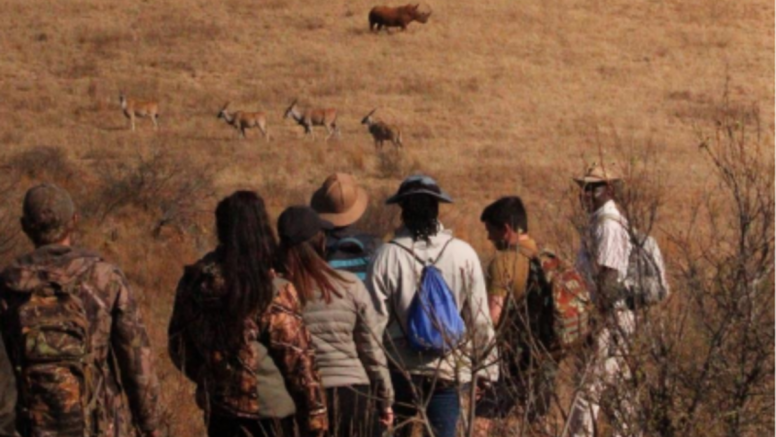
(386, 16)
(139, 109)
(245, 120)
(314, 117)
(381, 132)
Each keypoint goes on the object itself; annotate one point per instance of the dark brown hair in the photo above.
(506, 211)
(304, 266)
(247, 253)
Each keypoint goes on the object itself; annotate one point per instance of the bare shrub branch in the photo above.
(173, 189)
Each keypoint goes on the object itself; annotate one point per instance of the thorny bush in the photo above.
(174, 189)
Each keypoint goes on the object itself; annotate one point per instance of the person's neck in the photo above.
(518, 239)
(601, 206)
(64, 242)
(342, 231)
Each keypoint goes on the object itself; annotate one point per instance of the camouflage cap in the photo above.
(47, 209)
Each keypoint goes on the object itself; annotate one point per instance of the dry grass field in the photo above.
(494, 98)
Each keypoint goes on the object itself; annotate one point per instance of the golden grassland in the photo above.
(495, 98)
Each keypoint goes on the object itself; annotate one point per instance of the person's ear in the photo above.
(610, 190)
(73, 223)
(27, 229)
(23, 223)
(320, 241)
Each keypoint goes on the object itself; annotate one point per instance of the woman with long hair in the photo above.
(237, 332)
(339, 314)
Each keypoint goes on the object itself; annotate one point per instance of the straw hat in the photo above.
(597, 174)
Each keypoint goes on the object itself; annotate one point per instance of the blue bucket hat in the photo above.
(419, 184)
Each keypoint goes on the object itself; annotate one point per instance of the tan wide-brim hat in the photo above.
(340, 200)
(597, 174)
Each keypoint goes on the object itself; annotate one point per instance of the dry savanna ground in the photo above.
(495, 98)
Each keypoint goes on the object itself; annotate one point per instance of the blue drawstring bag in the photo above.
(434, 322)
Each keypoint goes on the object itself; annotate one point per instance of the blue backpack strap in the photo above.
(442, 251)
(410, 251)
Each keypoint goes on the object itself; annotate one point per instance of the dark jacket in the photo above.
(273, 373)
(119, 342)
(7, 394)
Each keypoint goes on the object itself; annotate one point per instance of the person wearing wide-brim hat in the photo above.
(603, 259)
(393, 281)
(341, 202)
(339, 313)
(599, 174)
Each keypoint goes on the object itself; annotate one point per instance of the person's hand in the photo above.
(483, 385)
(386, 417)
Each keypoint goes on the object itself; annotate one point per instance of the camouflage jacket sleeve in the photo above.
(292, 349)
(130, 343)
(7, 394)
(182, 352)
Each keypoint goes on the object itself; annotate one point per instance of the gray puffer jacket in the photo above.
(346, 348)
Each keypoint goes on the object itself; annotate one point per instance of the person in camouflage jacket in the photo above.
(119, 355)
(7, 395)
(254, 367)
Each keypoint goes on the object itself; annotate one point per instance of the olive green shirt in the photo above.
(508, 271)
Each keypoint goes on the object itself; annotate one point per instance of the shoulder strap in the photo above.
(443, 250)
(77, 279)
(411, 252)
(528, 253)
(638, 238)
(612, 217)
(349, 240)
(408, 250)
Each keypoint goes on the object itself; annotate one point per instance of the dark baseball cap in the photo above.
(298, 224)
(48, 206)
(419, 184)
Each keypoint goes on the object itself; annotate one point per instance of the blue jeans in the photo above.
(443, 410)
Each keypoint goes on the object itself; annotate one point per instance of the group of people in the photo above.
(304, 333)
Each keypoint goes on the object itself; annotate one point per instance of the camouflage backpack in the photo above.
(57, 368)
(566, 290)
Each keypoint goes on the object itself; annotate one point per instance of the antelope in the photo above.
(381, 132)
(139, 109)
(308, 118)
(245, 120)
(386, 16)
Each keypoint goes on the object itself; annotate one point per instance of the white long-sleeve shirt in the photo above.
(606, 244)
(393, 280)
